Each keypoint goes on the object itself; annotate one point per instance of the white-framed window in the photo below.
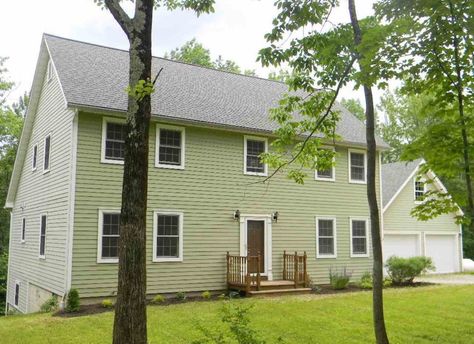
(167, 236)
(170, 146)
(34, 158)
(23, 229)
(113, 140)
(328, 175)
(359, 237)
(109, 234)
(253, 148)
(47, 154)
(419, 190)
(42, 236)
(357, 166)
(16, 300)
(50, 70)
(326, 242)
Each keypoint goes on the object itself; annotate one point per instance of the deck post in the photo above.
(258, 272)
(284, 265)
(296, 269)
(305, 270)
(228, 269)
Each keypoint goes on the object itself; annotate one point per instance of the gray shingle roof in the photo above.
(96, 76)
(393, 177)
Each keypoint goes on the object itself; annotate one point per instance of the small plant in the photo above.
(181, 296)
(402, 271)
(107, 303)
(158, 299)
(339, 279)
(387, 282)
(50, 305)
(314, 287)
(206, 295)
(366, 281)
(222, 297)
(233, 294)
(73, 303)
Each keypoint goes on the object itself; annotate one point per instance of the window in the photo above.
(326, 237)
(42, 245)
(50, 71)
(359, 238)
(357, 167)
(34, 158)
(170, 147)
(168, 237)
(253, 148)
(419, 191)
(109, 234)
(17, 294)
(23, 229)
(328, 174)
(47, 151)
(113, 141)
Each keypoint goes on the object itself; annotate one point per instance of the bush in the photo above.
(206, 295)
(158, 299)
(73, 302)
(107, 303)
(339, 279)
(181, 296)
(50, 305)
(404, 270)
(366, 281)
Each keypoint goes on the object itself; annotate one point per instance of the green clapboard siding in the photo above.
(210, 188)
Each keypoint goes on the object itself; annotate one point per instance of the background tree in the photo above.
(355, 107)
(130, 326)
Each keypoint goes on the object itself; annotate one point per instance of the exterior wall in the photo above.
(36, 297)
(208, 191)
(43, 193)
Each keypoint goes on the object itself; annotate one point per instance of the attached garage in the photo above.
(401, 245)
(443, 250)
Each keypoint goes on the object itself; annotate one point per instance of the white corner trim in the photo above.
(255, 138)
(9, 262)
(42, 256)
(380, 198)
(367, 241)
(155, 234)
(326, 217)
(182, 130)
(333, 178)
(359, 151)
(100, 227)
(106, 120)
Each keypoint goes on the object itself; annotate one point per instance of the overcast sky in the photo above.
(235, 31)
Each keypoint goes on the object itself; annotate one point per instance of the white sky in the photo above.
(235, 31)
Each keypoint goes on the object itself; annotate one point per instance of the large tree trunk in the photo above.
(377, 296)
(130, 325)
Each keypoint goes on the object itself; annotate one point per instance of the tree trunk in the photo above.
(377, 296)
(130, 326)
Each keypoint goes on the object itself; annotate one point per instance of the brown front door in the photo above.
(256, 244)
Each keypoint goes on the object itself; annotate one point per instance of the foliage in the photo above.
(404, 270)
(366, 281)
(107, 303)
(282, 75)
(339, 279)
(158, 299)
(141, 89)
(73, 303)
(199, 6)
(206, 295)
(355, 107)
(3, 278)
(50, 305)
(181, 296)
(467, 242)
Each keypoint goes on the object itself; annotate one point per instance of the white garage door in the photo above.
(401, 245)
(443, 252)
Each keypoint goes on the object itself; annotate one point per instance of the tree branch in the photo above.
(120, 16)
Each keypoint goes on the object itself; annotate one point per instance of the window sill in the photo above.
(355, 255)
(107, 261)
(318, 256)
(46, 171)
(33, 169)
(111, 162)
(171, 167)
(319, 179)
(258, 174)
(42, 257)
(168, 260)
(362, 182)
(22, 241)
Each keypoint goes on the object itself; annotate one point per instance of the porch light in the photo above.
(237, 215)
(275, 216)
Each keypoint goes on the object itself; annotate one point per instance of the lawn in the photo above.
(437, 314)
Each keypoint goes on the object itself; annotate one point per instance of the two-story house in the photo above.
(205, 192)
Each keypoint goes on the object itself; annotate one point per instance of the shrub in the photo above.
(107, 303)
(158, 299)
(73, 302)
(181, 296)
(339, 279)
(366, 281)
(404, 270)
(314, 287)
(206, 295)
(50, 305)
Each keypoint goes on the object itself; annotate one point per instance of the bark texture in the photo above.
(377, 296)
(130, 324)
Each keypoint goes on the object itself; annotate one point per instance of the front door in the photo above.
(256, 244)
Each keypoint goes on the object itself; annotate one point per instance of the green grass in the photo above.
(440, 314)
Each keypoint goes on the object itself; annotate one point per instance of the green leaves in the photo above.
(142, 89)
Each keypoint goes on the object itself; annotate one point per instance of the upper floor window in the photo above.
(326, 237)
(359, 238)
(17, 294)
(113, 140)
(23, 229)
(168, 237)
(253, 148)
(420, 190)
(34, 158)
(47, 153)
(170, 146)
(42, 245)
(357, 167)
(109, 234)
(50, 71)
(327, 174)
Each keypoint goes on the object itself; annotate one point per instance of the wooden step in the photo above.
(277, 292)
(280, 284)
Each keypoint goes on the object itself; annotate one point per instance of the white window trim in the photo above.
(333, 179)
(265, 166)
(423, 180)
(101, 260)
(155, 234)
(46, 170)
(17, 283)
(23, 230)
(33, 160)
(42, 256)
(157, 146)
(326, 217)
(355, 181)
(49, 71)
(106, 120)
(367, 231)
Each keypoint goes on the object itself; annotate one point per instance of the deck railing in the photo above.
(294, 268)
(238, 272)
